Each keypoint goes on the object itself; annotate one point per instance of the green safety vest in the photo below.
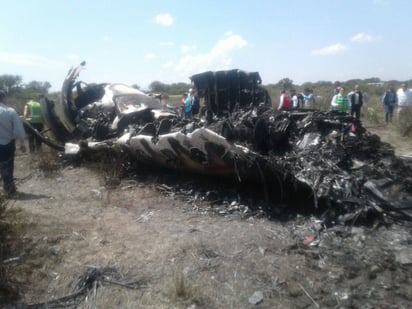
(35, 112)
(343, 102)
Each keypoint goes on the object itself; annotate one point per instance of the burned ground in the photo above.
(160, 241)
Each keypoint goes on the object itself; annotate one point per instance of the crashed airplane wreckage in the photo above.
(308, 159)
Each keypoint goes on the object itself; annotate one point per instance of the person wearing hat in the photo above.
(11, 128)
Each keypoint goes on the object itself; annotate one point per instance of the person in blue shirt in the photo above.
(308, 98)
(188, 105)
(389, 100)
(11, 128)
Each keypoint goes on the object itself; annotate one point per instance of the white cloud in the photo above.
(218, 58)
(362, 37)
(164, 19)
(228, 44)
(330, 50)
(107, 38)
(23, 59)
(187, 48)
(150, 56)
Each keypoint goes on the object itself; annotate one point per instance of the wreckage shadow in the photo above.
(223, 193)
(22, 196)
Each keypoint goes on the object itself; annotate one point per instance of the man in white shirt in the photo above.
(404, 99)
(11, 128)
(294, 98)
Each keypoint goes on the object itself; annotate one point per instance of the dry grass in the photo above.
(372, 116)
(184, 292)
(4, 232)
(109, 164)
(8, 288)
(405, 122)
(47, 162)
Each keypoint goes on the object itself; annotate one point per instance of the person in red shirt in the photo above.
(284, 104)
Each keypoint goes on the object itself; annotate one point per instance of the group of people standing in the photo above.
(294, 100)
(351, 102)
(391, 100)
(12, 129)
(402, 99)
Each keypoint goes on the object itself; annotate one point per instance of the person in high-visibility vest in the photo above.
(32, 113)
(340, 101)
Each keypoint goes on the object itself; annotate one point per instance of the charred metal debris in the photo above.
(317, 162)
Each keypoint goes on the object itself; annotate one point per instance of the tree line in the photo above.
(14, 86)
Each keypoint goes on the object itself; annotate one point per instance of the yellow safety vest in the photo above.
(32, 112)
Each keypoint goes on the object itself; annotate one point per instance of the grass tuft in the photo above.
(405, 122)
(47, 162)
(185, 293)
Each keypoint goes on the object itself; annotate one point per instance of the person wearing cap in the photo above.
(11, 128)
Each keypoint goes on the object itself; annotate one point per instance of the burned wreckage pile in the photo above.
(310, 160)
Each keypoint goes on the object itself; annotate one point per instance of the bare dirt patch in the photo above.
(168, 251)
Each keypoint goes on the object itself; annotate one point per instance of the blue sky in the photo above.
(137, 42)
